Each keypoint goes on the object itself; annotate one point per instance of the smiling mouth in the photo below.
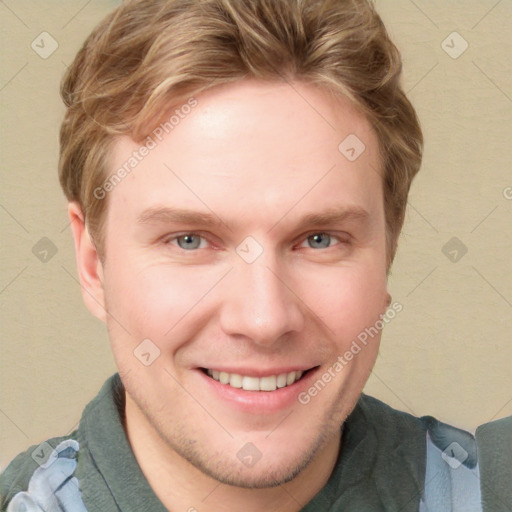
(250, 383)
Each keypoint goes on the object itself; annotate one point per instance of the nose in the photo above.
(260, 305)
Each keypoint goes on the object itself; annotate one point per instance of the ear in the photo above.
(90, 268)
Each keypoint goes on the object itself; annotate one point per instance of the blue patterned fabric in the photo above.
(52, 486)
(452, 480)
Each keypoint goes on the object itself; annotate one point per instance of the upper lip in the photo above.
(261, 372)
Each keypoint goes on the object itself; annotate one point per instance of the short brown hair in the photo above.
(148, 55)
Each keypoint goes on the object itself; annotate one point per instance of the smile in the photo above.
(250, 383)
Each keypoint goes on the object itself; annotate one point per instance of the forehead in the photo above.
(254, 147)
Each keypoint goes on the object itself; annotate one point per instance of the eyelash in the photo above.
(175, 238)
(303, 239)
(337, 237)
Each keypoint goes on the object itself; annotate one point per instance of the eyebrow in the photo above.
(330, 217)
(335, 216)
(166, 215)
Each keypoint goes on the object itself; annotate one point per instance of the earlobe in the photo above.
(89, 266)
(387, 303)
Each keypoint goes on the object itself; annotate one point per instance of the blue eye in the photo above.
(189, 241)
(319, 241)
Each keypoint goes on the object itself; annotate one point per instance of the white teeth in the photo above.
(281, 380)
(235, 380)
(249, 383)
(268, 383)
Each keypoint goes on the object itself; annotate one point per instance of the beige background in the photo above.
(448, 354)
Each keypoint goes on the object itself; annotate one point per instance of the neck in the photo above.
(181, 486)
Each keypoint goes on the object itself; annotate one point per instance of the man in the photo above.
(237, 176)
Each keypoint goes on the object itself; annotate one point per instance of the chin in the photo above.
(233, 473)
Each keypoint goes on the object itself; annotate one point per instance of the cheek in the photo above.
(151, 300)
(346, 299)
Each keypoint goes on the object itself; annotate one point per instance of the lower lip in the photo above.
(260, 402)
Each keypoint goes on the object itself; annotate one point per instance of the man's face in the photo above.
(247, 246)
